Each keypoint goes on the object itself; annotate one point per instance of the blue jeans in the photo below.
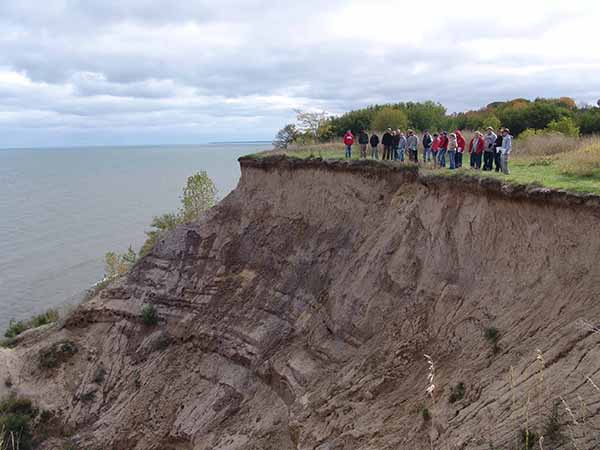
(452, 158)
(426, 154)
(348, 151)
(442, 157)
(400, 154)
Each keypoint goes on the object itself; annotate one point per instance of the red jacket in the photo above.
(480, 145)
(460, 140)
(348, 139)
(444, 142)
(435, 144)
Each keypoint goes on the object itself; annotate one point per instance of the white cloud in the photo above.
(140, 70)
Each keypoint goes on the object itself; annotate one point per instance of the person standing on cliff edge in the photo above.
(490, 149)
(498, 150)
(363, 140)
(386, 141)
(506, 149)
(374, 146)
(348, 142)
(412, 145)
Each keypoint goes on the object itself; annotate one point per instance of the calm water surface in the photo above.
(62, 209)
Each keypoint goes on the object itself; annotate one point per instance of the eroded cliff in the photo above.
(296, 313)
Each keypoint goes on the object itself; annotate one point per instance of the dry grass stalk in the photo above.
(594, 385)
(430, 390)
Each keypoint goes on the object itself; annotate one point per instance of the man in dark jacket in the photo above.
(498, 153)
(374, 146)
(386, 141)
(427, 142)
(363, 140)
(395, 144)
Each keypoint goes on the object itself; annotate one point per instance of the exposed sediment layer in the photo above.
(296, 313)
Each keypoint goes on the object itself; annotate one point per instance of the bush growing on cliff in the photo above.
(17, 327)
(16, 416)
(149, 315)
(199, 195)
(117, 264)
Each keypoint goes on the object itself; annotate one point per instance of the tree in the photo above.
(285, 136)
(426, 115)
(390, 118)
(564, 125)
(310, 122)
(199, 194)
(589, 121)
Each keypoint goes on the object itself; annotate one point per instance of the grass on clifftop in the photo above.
(554, 162)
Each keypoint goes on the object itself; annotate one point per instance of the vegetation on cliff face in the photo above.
(16, 327)
(199, 194)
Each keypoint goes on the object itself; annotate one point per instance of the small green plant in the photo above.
(149, 315)
(457, 393)
(425, 414)
(117, 265)
(99, 375)
(16, 416)
(492, 335)
(15, 327)
(553, 429)
(529, 439)
(56, 354)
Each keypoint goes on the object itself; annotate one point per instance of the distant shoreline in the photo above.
(79, 147)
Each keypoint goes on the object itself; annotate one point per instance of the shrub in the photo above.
(425, 414)
(492, 335)
(564, 125)
(160, 224)
(56, 354)
(149, 315)
(119, 264)
(553, 429)
(457, 393)
(16, 415)
(15, 328)
(529, 439)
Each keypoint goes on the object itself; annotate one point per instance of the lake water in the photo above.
(61, 210)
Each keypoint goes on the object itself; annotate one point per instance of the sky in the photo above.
(139, 72)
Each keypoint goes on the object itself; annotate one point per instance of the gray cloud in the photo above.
(120, 70)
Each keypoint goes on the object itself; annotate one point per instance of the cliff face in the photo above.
(296, 314)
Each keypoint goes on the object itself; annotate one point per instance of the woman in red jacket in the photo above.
(460, 148)
(476, 147)
(348, 141)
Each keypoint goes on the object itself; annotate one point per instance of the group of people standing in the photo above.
(442, 148)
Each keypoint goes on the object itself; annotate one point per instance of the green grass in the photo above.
(544, 170)
(547, 175)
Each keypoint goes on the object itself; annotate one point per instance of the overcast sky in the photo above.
(94, 72)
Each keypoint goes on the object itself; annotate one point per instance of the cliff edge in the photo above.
(297, 312)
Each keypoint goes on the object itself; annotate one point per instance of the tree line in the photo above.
(554, 114)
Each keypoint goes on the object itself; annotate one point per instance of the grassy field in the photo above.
(556, 162)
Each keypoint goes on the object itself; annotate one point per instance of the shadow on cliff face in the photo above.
(295, 315)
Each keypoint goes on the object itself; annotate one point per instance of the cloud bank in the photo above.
(75, 72)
